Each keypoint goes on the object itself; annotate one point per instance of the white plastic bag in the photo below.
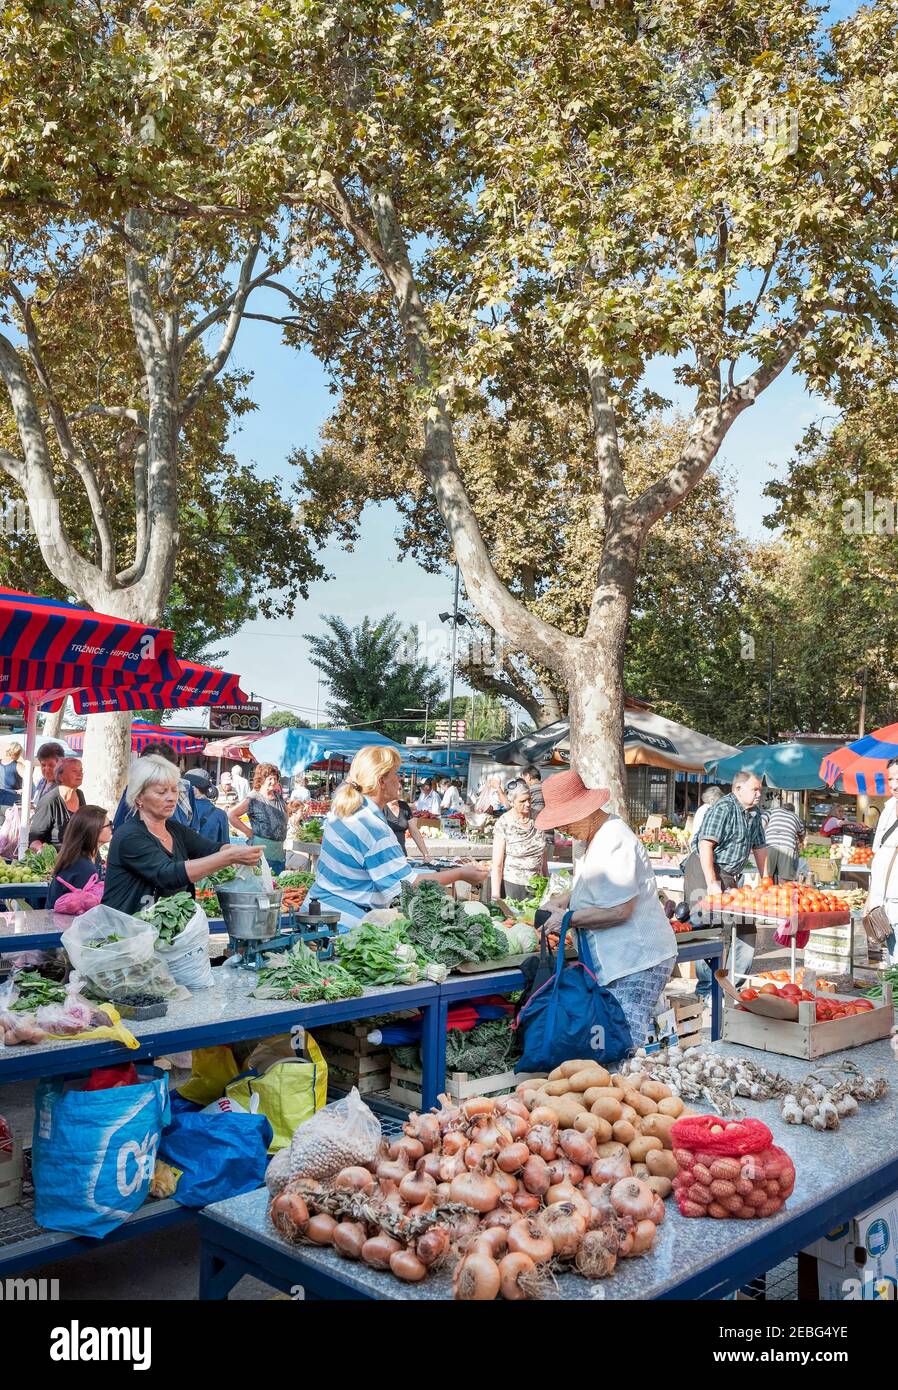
(128, 964)
(188, 955)
(344, 1134)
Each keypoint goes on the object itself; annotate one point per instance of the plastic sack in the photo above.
(343, 1134)
(217, 1154)
(729, 1169)
(212, 1069)
(76, 1018)
(290, 1091)
(9, 832)
(79, 900)
(128, 964)
(187, 958)
(94, 1152)
(108, 1078)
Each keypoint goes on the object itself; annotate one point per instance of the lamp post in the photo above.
(455, 618)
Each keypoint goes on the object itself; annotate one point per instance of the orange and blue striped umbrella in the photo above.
(861, 766)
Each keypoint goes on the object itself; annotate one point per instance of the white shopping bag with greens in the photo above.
(182, 939)
(115, 954)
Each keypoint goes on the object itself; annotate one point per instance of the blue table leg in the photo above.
(433, 1052)
(715, 962)
(218, 1273)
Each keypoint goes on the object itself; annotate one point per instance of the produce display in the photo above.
(300, 974)
(168, 915)
(729, 1169)
(450, 932)
(295, 885)
(828, 1095)
(858, 854)
(827, 1009)
(782, 977)
(851, 898)
(888, 976)
(379, 952)
(504, 1194)
(310, 830)
(771, 899)
(208, 901)
(23, 872)
(35, 990)
(669, 838)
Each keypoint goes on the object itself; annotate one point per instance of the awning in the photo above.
(196, 687)
(785, 766)
(143, 733)
(649, 741)
(861, 766)
(237, 747)
(293, 750)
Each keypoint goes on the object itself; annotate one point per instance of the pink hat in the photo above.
(568, 800)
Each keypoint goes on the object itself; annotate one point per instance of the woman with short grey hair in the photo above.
(153, 856)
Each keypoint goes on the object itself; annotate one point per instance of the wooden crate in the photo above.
(806, 1038)
(405, 1084)
(11, 1176)
(688, 1014)
(352, 1060)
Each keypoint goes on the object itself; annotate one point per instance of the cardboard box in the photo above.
(864, 1249)
(854, 1283)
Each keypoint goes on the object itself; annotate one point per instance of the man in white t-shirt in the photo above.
(450, 799)
(300, 791)
(240, 783)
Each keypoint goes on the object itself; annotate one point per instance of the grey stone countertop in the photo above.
(825, 1163)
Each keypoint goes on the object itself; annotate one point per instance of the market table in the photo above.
(33, 893)
(838, 1174)
(26, 930)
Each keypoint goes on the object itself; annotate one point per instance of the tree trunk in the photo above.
(53, 723)
(596, 711)
(107, 757)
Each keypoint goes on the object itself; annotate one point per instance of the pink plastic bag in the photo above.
(79, 900)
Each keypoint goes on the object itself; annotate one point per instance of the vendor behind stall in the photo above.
(266, 811)
(79, 854)
(48, 824)
(519, 849)
(152, 855)
(623, 934)
(361, 865)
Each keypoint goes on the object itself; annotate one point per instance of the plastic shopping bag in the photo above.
(289, 1091)
(94, 1151)
(344, 1134)
(215, 1154)
(187, 958)
(79, 900)
(212, 1069)
(116, 954)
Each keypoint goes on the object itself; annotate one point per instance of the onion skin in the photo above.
(413, 1149)
(506, 1183)
(451, 1168)
(632, 1197)
(415, 1188)
(517, 1127)
(657, 1212)
(478, 1105)
(565, 1227)
(424, 1128)
(511, 1268)
(643, 1238)
(355, 1179)
(527, 1238)
(455, 1143)
(477, 1279)
(289, 1214)
(513, 1158)
(406, 1265)
(542, 1115)
(493, 1241)
(541, 1140)
(477, 1156)
(433, 1245)
(594, 1259)
(577, 1147)
(509, 1105)
(525, 1202)
(536, 1176)
(429, 1164)
(502, 1216)
(376, 1252)
(475, 1190)
(394, 1170)
(349, 1238)
(611, 1169)
(320, 1229)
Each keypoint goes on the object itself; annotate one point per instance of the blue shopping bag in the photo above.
(216, 1154)
(571, 1016)
(93, 1152)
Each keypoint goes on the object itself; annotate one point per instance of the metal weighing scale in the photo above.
(256, 927)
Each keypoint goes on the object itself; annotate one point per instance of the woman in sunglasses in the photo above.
(78, 858)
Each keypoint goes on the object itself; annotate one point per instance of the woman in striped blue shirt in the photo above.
(361, 865)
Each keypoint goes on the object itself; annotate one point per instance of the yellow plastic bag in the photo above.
(290, 1091)
(117, 1032)
(213, 1068)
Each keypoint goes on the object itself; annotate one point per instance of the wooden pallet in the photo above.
(688, 1014)
(806, 1038)
(11, 1176)
(405, 1084)
(352, 1059)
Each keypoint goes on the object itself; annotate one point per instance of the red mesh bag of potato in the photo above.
(729, 1169)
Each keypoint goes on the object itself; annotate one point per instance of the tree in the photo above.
(115, 417)
(285, 719)
(374, 680)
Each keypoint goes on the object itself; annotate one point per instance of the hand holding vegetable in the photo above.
(241, 854)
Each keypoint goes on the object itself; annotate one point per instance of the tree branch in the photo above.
(217, 314)
(114, 412)
(141, 515)
(611, 474)
(238, 306)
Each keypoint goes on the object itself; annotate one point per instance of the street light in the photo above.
(416, 709)
(456, 619)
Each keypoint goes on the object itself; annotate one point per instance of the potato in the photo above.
(640, 1103)
(655, 1090)
(558, 1088)
(639, 1148)
(623, 1132)
(671, 1105)
(662, 1186)
(640, 1171)
(611, 1150)
(577, 1064)
(628, 1113)
(593, 1075)
(557, 1074)
(592, 1124)
(612, 1093)
(567, 1110)
(624, 1082)
(595, 1093)
(658, 1127)
(607, 1109)
(661, 1164)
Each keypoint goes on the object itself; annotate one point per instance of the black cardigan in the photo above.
(139, 869)
(51, 817)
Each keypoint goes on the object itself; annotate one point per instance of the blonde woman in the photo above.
(12, 766)
(361, 865)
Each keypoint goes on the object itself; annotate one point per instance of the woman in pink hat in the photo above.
(623, 934)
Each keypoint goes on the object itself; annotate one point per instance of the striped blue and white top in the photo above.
(361, 865)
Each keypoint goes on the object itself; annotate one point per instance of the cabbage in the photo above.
(522, 939)
(475, 909)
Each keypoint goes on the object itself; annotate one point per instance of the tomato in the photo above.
(864, 1005)
(748, 994)
(806, 995)
(768, 989)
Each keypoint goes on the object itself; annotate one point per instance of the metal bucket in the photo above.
(248, 915)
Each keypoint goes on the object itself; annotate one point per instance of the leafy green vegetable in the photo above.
(484, 1050)
(169, 916)
(521, 939)
(295, 878)
(451, 932)
(299, 974)
(379, 955)
(41, 861)
(310, 830)
(35, 990)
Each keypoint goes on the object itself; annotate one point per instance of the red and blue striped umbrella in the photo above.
(862, 765)
(48, 647)
(143, 733)
(196, 686)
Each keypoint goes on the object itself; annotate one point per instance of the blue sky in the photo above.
(291, 392)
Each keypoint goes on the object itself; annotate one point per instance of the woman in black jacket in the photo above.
(153, 856)
(79, 854)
